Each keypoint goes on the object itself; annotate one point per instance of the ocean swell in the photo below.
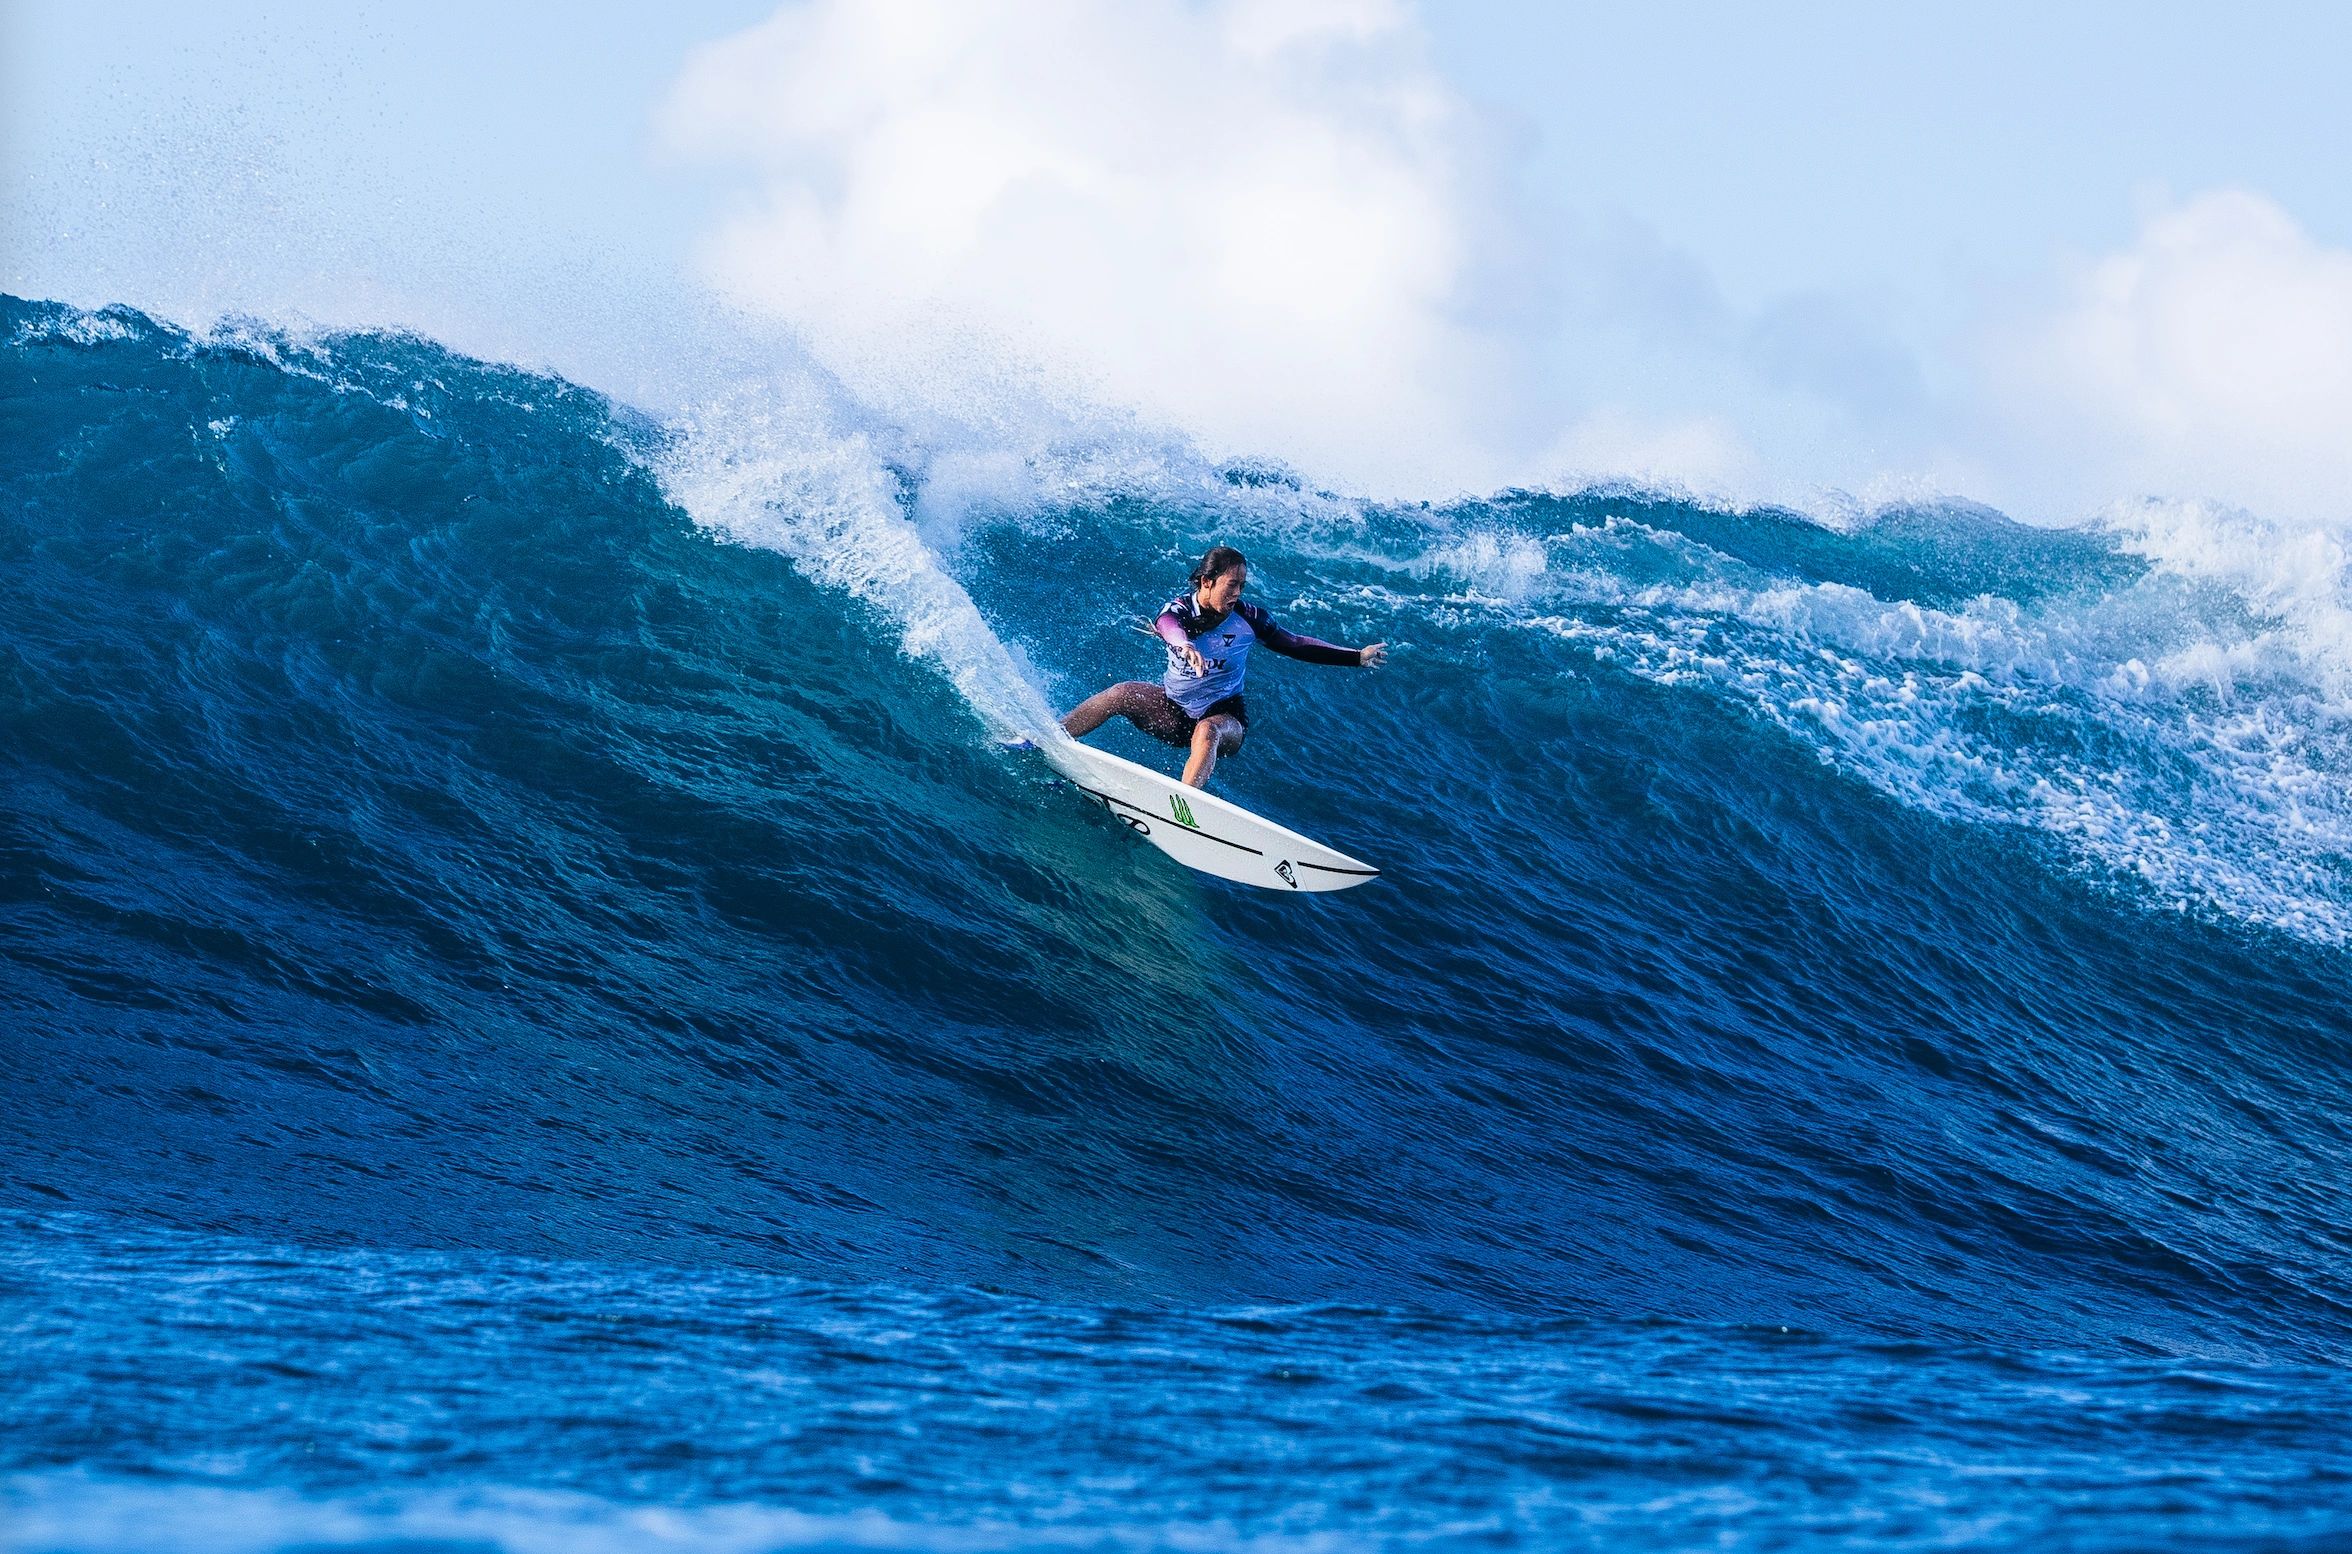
(455, 820)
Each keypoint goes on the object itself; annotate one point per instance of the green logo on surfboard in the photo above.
(1182, 811)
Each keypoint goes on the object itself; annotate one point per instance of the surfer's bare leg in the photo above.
(1102, 706)
(1211, 738)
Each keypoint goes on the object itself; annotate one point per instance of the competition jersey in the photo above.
(1224, 643)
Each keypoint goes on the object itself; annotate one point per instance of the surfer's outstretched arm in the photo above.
(1312, 650)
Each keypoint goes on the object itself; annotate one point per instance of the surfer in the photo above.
(1197, 705)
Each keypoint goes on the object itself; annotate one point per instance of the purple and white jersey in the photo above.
(1224, 643)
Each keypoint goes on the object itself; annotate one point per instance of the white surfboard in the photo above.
(1213, 835)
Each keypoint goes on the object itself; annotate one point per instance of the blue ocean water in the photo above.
(537, 1013)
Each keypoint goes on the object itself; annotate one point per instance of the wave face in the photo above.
(497, 887)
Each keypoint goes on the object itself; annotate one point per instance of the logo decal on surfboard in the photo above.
(1182, 811)
(1288, 878)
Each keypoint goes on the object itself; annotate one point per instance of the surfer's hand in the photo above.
(1192, 656)
(1374, 656)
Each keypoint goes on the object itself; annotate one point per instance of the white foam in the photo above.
(2295, 575)
(776, 465)
(2200, 753)
(75, 326)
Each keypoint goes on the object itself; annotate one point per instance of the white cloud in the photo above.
(2212, 358)
(1259, 222)
(1274, 225)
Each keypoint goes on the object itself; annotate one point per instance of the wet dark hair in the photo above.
(1220, 560)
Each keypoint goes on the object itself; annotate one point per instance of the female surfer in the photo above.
(1197, 705)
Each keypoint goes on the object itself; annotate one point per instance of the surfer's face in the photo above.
(1221, 592)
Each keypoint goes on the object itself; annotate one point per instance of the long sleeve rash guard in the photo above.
(1224, 642)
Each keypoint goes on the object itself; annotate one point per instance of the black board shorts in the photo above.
(1161, 718)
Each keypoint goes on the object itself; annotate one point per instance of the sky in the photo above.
(2046, 257)
(1914, 149)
